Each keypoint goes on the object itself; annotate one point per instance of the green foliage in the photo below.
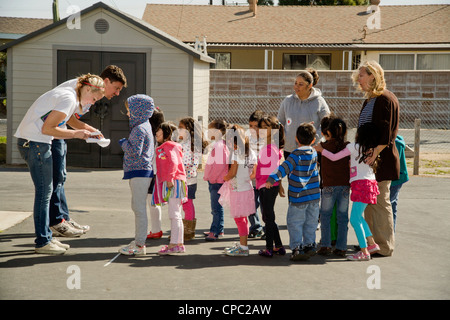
(265, 2)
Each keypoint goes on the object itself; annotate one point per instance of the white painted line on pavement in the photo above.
(107, 264)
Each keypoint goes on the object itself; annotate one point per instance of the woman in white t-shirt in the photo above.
(44, 121)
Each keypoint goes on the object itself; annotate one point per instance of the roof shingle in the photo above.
(22, 25)
(421, 24)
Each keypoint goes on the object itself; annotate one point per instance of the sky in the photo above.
(43, 8)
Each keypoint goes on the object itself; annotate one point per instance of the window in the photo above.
(223, 60)
(397, 61)
(356, 61)
(430, 61)
(415, 61)
(302, 61)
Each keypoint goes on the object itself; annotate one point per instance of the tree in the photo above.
(265, 2)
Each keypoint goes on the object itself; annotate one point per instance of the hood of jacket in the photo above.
(315, 93)
(141, 108)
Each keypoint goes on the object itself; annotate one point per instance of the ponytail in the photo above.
(93, 81)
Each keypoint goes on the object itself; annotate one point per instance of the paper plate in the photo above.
(101, 142)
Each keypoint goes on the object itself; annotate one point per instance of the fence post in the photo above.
(416, 146)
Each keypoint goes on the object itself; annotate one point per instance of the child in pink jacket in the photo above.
(215, 169)
(170, 184)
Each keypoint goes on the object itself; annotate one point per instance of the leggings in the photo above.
(267, 199)
(176, 222)
(359, 224)
(242, 224)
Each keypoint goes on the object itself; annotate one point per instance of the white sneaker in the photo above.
(133, 249)
(65, 229)
(50, 248)
(59, 244)
(76, 225)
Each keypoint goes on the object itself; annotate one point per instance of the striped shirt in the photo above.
(366, 113)
(303, 176)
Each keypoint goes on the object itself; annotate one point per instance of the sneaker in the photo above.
(156, 235)
(211, 237)
(238, 252)
(50, 248)
(324, 251)
(299, 255)
(133, 249)
(59, 244)
(281, 251)
(310, 250)
(373, 248)
(64, 229)
(256, 234)
(360, 256)
(207, 233)
(174, 250)
(74, 224)
(231, 248)
(341, 253)
(266, 253)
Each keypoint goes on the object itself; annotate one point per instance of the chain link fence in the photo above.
(434, 115)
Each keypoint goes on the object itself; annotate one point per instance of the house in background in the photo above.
(155, 63)
(414, 37)
(14, 28)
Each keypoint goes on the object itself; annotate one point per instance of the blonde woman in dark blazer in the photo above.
(381, 107)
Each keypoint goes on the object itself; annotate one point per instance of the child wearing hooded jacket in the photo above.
(137, 166)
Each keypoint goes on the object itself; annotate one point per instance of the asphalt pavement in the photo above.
(91, 269)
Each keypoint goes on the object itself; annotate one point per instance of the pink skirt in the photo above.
(242, 203)
(365, 191)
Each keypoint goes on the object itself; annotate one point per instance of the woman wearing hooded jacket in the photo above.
(306, 104)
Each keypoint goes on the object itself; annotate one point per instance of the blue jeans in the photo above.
(58, 202)
(302, 221)
(216, 209)
(38, 157)
(394, 192)
(338, 195)
(255, 224)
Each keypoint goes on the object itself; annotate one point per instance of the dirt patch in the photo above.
(435, 164)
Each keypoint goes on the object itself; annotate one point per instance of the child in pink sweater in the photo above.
(272, 132)
(215, 169)
(170, 184)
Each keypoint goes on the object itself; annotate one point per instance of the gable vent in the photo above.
(101, 26)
